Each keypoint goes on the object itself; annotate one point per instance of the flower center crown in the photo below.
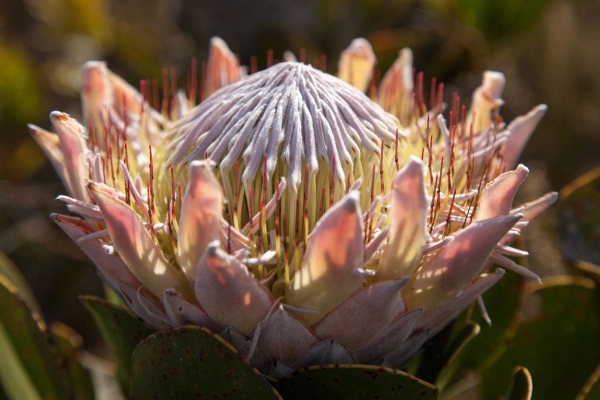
(295, 123)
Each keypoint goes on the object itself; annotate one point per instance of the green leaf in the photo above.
(30, 367)
(354, 382)
(521, 386)
(558, 339)
(579, 218)
(437, 361)
(69, 344)
(13, 376)
(502, 302)
(192, 362)
(112, 297)
(495, 20)
(12, 273)
(121, 330)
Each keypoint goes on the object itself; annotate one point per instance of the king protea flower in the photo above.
(303, 221)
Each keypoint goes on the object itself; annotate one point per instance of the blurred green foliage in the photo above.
(21, 98)
(495, 19)
(556, 336)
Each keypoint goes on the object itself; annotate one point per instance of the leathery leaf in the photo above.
(191, 362)
(354, 381)
(558, 339)
(121, 330)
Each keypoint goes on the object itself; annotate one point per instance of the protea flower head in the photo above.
(303, 221)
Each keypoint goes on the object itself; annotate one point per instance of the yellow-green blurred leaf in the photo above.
(12, 273)
(19, 90)
(30, 367)
(66, 17)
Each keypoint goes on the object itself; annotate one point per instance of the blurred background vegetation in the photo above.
(548, 50)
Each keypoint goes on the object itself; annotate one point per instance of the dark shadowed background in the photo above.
(549, 51)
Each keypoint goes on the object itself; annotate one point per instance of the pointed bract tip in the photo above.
(493, 83)
(361, 44)
(212, 248)
(499, 223)
(34, 129)
(406, 54)
(280, 310)
(414, 160)
(288, 56)
(91, 66)
(523, 168)
(401, 282)
(351, 202)
(58, 116)
(216, 41)
(202, 164)
(171, 292)
(101, 189)
(93, 186)
(518, 216)
(414, 166)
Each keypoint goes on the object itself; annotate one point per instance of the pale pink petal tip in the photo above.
(498, 195)
(520, 130)
(457, 263)
(228, 294)
(222, 67)
(486, 101)
(135, 245)
(50, 145)
(200, 216)
(75, 152)
(493, 84)
(356, 64)
(396, 88)
(109, 264)
(330, 269)
(408, 222)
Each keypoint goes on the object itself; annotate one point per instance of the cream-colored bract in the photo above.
(289, 212)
